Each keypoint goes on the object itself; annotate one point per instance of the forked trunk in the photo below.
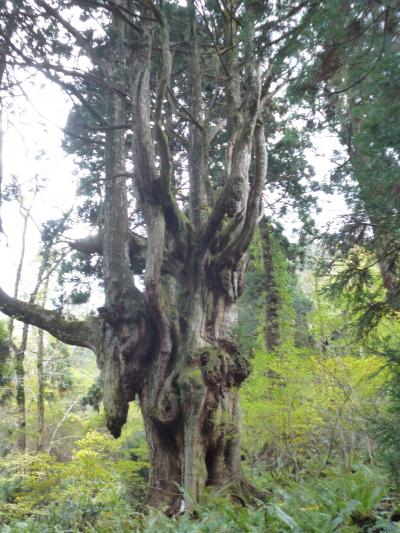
(189, 396)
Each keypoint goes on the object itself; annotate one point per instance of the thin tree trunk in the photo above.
(20, 352)
(41, 379)
(20, 394)
(19, 267)
(42, 277)
(272, 297)
(40, 396)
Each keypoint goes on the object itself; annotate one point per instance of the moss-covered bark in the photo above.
(189, 393)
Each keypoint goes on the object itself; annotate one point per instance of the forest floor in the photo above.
(307, 443)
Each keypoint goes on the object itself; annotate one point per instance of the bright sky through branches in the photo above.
(32, 152)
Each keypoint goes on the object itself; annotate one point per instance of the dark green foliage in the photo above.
(76, 277)
(94, 395)
(52, 229)
(353, 84)
(386, 425)
(290, 176)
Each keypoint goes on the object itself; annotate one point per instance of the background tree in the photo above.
(353, 83)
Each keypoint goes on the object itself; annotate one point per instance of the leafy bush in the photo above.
(89, 493)
(298, 405)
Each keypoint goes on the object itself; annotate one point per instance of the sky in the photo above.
(34, 126)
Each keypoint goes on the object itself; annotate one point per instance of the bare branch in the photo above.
(45, 66)
(93, 244)
(185, 111)
(71, 331)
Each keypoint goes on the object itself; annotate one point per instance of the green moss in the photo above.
(191, 379)
(214, 357)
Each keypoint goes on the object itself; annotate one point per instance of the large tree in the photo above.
(173, 111)
(354, 84)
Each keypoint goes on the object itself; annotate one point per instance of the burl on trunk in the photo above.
(186, 374)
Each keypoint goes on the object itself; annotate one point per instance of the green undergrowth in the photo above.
(305, 446)
(92, 492)
(329, 502)
(90, 495)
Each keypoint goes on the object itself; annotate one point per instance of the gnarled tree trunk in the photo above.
(189, 392)
(169, 341)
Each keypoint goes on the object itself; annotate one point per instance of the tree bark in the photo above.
(190, 403)
(20, 351)
(272, 298)
(40, 393)
(41, 378)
